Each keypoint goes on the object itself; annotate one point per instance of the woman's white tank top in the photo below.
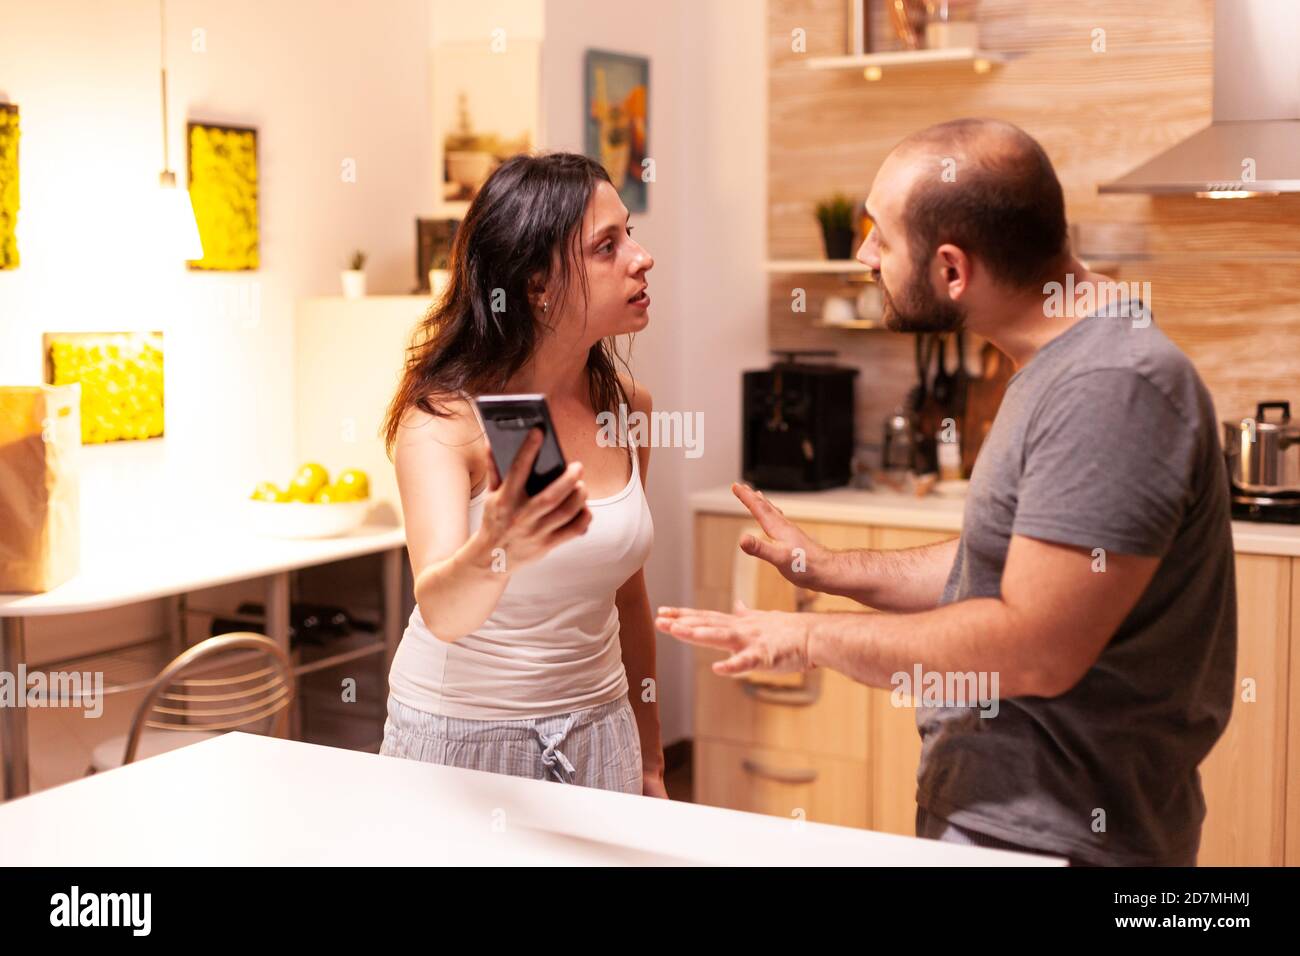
(551, 645)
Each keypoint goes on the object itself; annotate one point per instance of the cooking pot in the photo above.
(1264, 456)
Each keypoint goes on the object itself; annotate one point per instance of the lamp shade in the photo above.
(178, 227)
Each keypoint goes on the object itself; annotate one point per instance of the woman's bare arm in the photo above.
(459, 577)
(637, 637)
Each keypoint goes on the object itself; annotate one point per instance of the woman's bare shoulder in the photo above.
(456, 428)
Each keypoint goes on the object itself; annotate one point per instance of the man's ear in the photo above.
(954, 270)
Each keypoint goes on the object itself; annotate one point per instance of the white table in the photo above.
(170, 560)
(243, 799)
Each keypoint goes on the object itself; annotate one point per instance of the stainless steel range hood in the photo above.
(1252, 147)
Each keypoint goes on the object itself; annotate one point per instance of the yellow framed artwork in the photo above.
(121, 376)
(223, 181)
(9, 133)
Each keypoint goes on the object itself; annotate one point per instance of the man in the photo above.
(1093, 579)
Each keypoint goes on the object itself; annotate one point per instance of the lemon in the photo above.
(355, 483)
(269, 491)
(310, 479)
(329, 495)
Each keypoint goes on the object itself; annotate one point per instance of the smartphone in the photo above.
(508, 420)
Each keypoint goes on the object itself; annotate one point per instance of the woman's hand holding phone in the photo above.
(523, 528)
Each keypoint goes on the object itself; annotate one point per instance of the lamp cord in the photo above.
(162, 64)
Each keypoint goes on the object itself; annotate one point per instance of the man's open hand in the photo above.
(799, 558)
(758, 640)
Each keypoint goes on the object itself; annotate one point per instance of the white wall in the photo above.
(322, 82)
(704, 226)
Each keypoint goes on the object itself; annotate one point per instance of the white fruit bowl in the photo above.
(297, 519)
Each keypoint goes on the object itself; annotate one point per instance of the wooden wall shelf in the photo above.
(874, 65)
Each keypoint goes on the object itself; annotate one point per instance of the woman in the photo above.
(531, 649)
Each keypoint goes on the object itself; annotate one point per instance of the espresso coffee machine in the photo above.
(798, 423)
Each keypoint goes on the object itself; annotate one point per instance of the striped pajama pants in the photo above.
(595, 747)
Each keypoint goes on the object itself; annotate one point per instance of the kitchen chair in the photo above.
(250, 680)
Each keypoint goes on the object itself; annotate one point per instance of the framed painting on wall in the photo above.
(121, 376)
(486, 108)
(617, 114)
(223, 181)
(8, 186)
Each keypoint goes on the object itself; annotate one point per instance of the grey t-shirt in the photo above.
(1105, 439)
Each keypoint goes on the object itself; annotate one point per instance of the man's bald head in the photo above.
(987, 187)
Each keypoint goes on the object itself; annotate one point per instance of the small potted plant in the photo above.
(836, 217)
(354, 279)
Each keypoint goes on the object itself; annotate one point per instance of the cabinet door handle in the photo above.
(784, 696)
(804, 695)
(779, 774)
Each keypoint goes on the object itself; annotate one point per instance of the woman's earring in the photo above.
(544, 306)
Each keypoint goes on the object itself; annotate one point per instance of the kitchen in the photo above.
(782, 113)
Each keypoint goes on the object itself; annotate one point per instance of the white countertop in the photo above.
(935, 513)
(122, 567)
(243, 799)
(846, 505)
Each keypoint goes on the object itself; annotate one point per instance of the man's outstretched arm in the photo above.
(1054, 617)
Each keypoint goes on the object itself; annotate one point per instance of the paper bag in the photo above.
(40, 486)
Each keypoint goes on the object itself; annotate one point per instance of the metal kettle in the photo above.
(899, 448)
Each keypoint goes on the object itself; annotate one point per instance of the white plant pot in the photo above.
(354, 283)
(837, 310)
(870, 305)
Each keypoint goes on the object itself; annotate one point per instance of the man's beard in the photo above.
(919, 310)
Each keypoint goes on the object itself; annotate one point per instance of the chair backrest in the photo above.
(223, 683)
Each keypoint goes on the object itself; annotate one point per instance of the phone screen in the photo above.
(508, 420)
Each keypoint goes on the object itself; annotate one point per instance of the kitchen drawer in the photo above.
(716, 550)
(825, 713)
(811, 787)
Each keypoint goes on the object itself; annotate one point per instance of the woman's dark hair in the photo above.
(525, 221)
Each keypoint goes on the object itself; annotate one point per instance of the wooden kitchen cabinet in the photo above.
(825, 714)
(1244, 776)
(895, 741)
(893, 746)
(1292, 824)
(784, 783)
(817, 743)
(791, 745)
